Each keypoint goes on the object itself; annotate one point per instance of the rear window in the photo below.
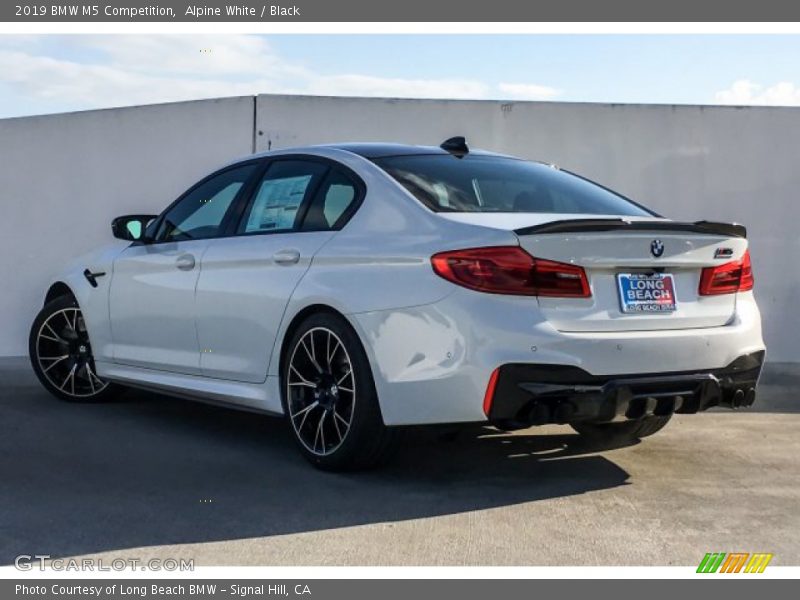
(445, 183)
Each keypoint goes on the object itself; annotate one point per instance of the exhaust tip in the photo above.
(564, 412)
(539, 414)
(750, 397)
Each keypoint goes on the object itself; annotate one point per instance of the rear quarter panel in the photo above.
(380, 261)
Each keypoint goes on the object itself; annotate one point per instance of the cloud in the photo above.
(100, 71)
(79, 72)
(527, 91)
(187, 55)
(745, 92)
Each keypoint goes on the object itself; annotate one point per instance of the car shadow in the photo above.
(151, 470)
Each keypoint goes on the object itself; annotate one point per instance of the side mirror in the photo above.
(131, 227)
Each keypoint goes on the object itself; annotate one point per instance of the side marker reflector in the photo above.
(487, 399)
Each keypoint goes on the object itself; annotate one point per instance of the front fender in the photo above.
(93, 301)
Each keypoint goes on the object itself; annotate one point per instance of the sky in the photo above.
(42, 74)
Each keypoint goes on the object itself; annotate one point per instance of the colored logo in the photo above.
(656, 248)
(734, 562)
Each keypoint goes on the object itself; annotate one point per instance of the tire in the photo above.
(627, 430)
(61, 355)
(332, 408)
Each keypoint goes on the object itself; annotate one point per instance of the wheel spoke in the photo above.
(92, 374)
(302, 422)
(328, 349)
(336, 425)
(85, 372)
(302, 379)
(303, 383)
(320, 432)
(310, 355)
(89, 373)
(333, 353)
(58, 338)
(344, 389)
(70, 377)
(53, 364)
(75, 321)
(305, 410)
(336, 415)
(343, 377)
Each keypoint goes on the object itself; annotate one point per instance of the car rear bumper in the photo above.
(531, 394)
(432, 363)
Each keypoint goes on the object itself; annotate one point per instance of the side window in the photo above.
(335, 196)
(200, 213)
(277, 199)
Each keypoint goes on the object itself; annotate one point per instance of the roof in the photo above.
(371, 150)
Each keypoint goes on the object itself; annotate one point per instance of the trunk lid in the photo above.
(646, 248)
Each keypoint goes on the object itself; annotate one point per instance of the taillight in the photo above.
(734, 276)
(511, 270)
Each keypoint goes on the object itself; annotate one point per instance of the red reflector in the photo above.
(511, 270)
(734, 276)
(746, 282)
(489, 396)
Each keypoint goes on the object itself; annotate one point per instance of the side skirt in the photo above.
(260, 397)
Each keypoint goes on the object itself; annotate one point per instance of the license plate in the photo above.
(646, 293)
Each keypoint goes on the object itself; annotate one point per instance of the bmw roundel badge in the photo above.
(656, 248)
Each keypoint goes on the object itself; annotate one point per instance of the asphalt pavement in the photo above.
(150, 476)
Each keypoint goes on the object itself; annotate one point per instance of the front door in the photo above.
(152, 297)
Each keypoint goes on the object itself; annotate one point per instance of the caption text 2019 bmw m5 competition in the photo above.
(357, 288)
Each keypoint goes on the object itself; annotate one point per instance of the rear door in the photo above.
(246, 280)
(640, 280)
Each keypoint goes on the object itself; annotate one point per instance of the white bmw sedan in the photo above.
(357, 288)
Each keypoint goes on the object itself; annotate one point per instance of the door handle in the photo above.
(286, 257)
(185, 262)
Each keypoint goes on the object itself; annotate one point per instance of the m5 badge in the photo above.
(723, 253)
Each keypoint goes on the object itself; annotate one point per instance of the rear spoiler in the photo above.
(584, 225)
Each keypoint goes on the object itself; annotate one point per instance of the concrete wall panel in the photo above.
(64, 177)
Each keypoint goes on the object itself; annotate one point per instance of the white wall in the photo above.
(63, 177)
